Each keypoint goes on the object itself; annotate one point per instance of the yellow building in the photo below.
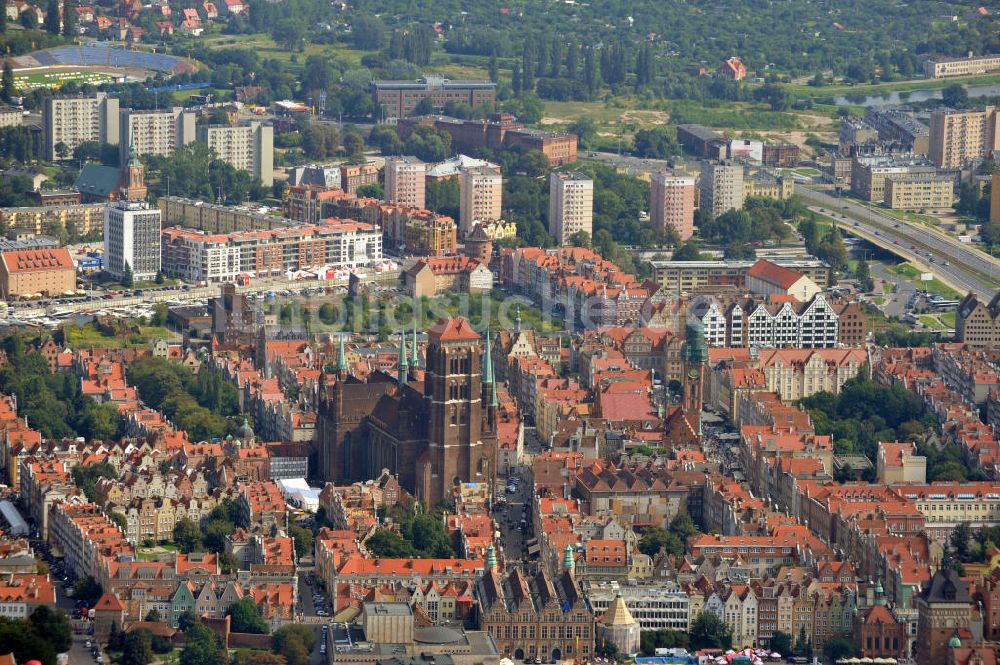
(767, 185)
(81, 218)
(919, 192)
(499, 229)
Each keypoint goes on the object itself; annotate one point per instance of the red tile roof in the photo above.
(34, 260)
(452, 330)
(774, 274)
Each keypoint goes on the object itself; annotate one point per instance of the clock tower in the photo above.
(694, 354)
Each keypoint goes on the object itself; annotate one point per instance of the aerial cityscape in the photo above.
(477, 333)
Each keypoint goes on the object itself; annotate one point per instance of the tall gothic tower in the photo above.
(460, 446)
(695, 355)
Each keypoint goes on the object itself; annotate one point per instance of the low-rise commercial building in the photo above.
(500, 131)
(81, 219)
(688, 276)
(199, 256)
(919, 192)
(398, 99)
(869, 174)
(942, 66)
(212, 218)
(654, 606)
(36, 271)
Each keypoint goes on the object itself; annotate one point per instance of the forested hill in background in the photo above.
(798, 37)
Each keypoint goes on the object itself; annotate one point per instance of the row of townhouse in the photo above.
(587, 290)
(780, 322)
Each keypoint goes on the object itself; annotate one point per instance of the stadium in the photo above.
(94, 63)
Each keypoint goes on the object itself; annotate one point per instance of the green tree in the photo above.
(781, 642)
(373, 190)
(228, 563)
(838, 647)
(29, 19)
(53, 24)
(160, 312)
(69, 18)
(245, 617)
(54, 625)
(87, 588)
(7, 83)
(655, 538)
(657, 142)
(303, 540)
(388, 545)
(424, 107)
(709, 632)
(293, 632)
(689, 252)
(864, 276)
(119, 519)
(955, 96)
(101, 422)
(187, 535)
(128, 280)
(294, 652)
(585, 130)
(367, 32)
(20, 639)
(137, 648)
(201, 647)
(803, 645)
(961, 540)
(153, 615)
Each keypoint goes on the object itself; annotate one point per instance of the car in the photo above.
(87, 644)
(945, 263)
(322, 613)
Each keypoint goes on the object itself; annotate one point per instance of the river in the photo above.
(914, 96)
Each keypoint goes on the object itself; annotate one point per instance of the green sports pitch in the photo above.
(56, 79)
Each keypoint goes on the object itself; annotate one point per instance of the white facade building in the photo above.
(132, 238)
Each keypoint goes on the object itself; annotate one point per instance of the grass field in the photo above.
(56, 79)
(935, 286)
(88, 336)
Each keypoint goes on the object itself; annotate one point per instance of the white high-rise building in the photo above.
(158, 132)
(405, 181)
(571, 205)
(481, 197)
(132, 237)
(248, 147)
(70, 121)
(721, 185)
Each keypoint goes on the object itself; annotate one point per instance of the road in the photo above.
(896, 303)
(518, 506)
(963, 267)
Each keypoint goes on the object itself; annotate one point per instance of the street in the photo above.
(895, 305)
(962, 266)
(512, 514)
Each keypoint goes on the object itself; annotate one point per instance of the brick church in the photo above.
(434, 433)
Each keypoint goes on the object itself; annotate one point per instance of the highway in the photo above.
(963, 267)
